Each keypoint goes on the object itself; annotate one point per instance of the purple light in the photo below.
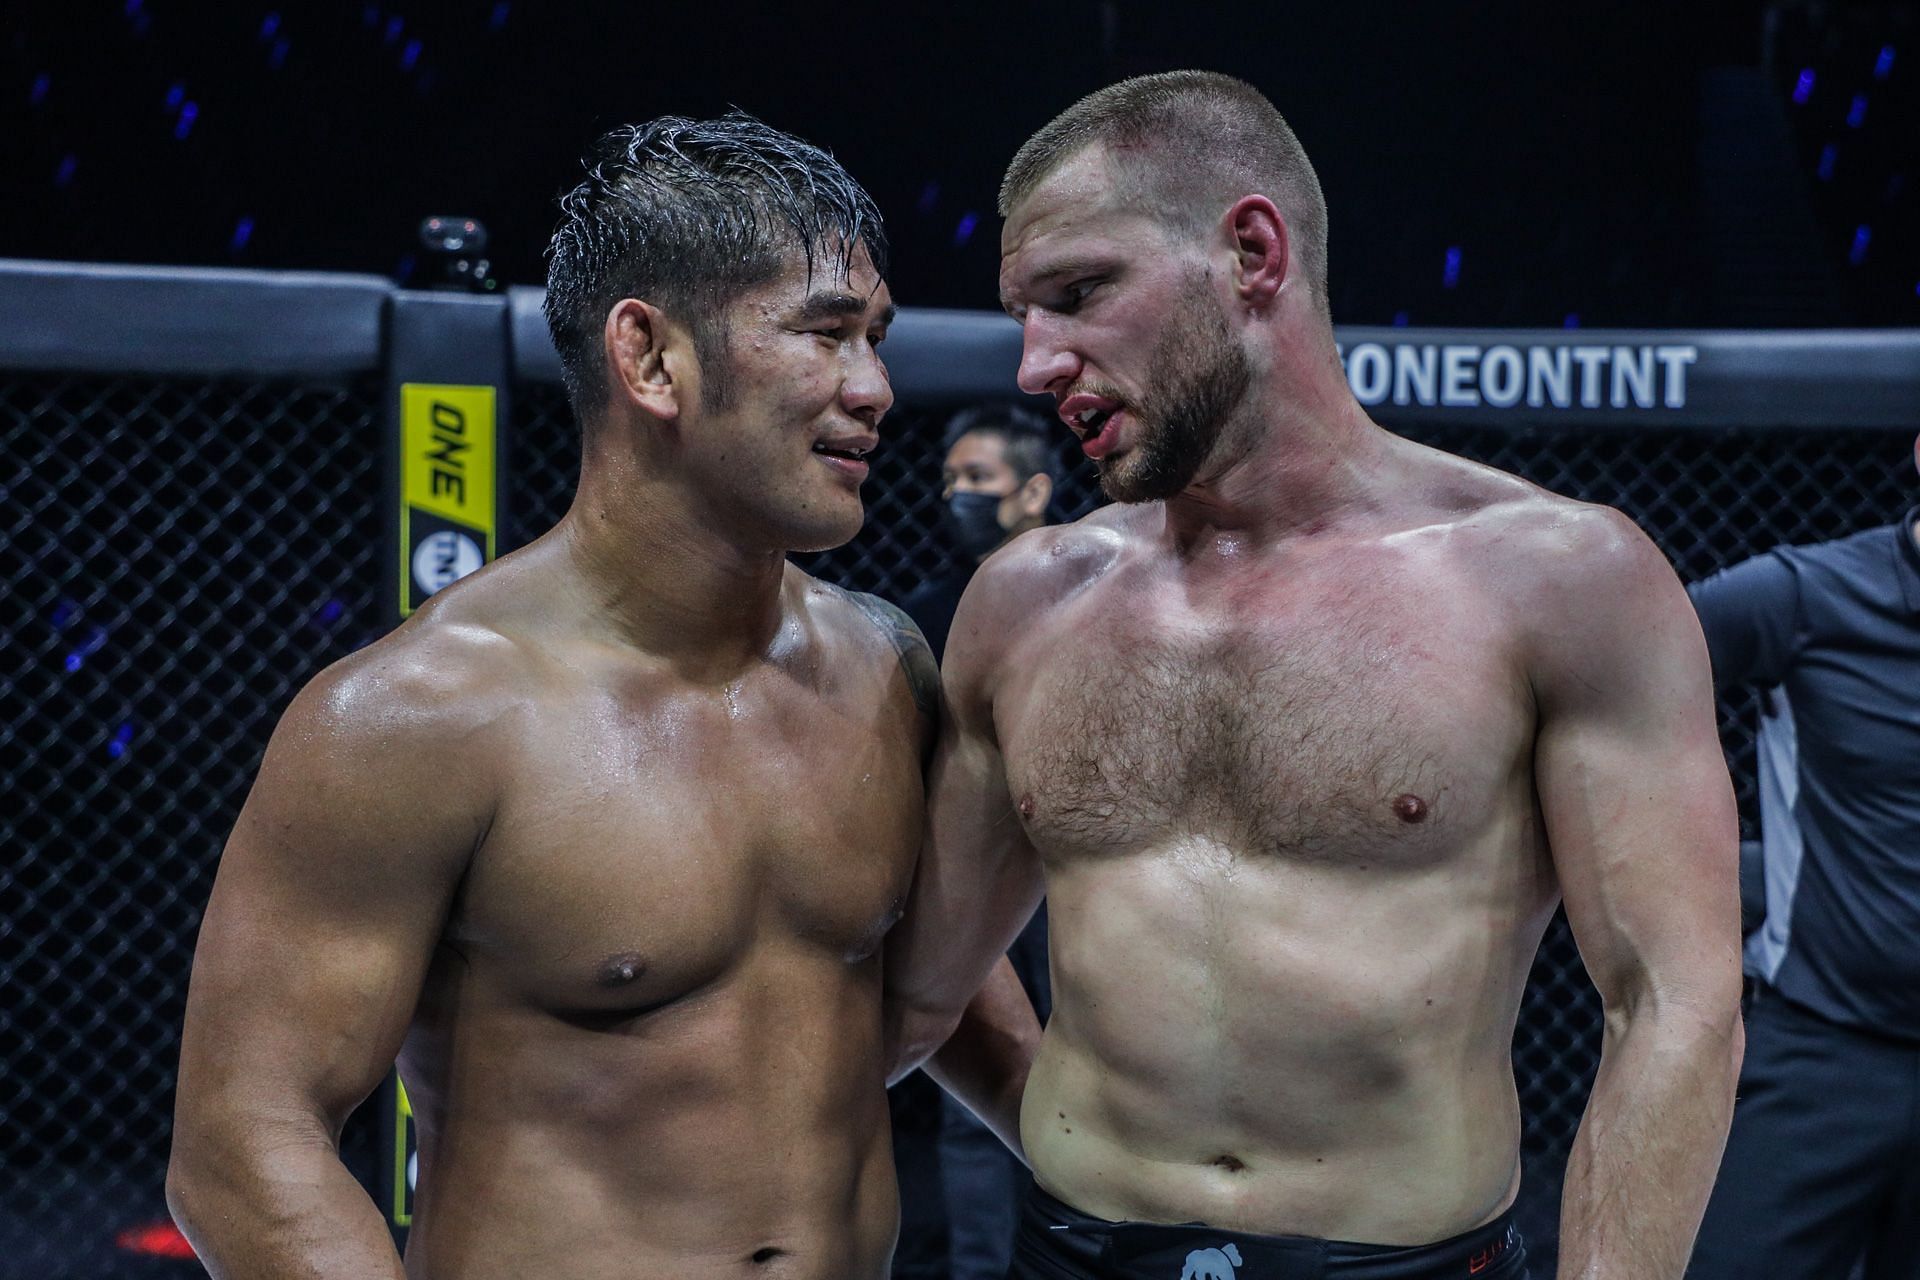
(189, 112)
(330, 612)
(410, 55)
(1803, 88)
(175, 96)
(500, 12)
(1571, 320)
(277, 58)
(1857, 113)
(1829, 156)
(41, 84)
(929, 197)
(1862, 237)
(964, 232)
(1450, 276)
(1883, 65)
(74, 662)
(63, 176)
(1401, 319)
(121, 738)
(63, 613)
(269, 26)
(395, 25)
(242, 232)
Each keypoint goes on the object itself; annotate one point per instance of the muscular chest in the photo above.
(1326, 718)
(649, 845)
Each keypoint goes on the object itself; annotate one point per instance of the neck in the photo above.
(658, 576)
(1298, 455)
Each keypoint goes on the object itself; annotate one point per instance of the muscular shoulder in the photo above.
(1038, 570)
(423, 699)
(884, 626)
(1592, 602)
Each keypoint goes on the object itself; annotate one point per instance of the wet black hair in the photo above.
(686, 214)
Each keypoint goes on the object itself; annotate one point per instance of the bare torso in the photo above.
(1284, 801)
(649, 1038)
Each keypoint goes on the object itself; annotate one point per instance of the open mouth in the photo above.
(849, 453)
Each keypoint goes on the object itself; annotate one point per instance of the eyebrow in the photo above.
(832, 306)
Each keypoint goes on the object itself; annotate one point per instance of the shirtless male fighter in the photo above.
(604, 840)
(1308, 737)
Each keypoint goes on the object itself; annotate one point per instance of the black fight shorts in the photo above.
(1058, 1242)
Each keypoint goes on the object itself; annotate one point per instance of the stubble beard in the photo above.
(1197, 376)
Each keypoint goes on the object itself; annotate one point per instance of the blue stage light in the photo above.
(1401, 319)
(410, 55)
(964, 232)
(1883, 65)
(1862, 237)
(42, 83)
(395, 25)
(189, 112)
(176, 95)
(242, 232)
(929, 197)
(1571, 320)
(500, 12)
(278, 57)
(63, 175)
(1857, 113)
(269, 27)
(1803, 88)
(1450, 274)
(1829, 157)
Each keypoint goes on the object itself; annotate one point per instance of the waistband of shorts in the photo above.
(1484, 1253)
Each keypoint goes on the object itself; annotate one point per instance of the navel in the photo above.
(1410, 808)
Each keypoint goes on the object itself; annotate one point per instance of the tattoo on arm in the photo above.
(916, 657)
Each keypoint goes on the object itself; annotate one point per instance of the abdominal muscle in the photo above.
(1281, 1047)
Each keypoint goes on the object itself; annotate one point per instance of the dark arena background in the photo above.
(1667, 261)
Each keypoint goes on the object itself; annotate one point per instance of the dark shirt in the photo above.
(931, 605)
(1832, 633)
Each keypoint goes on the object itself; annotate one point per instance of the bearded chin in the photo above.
(1198, 375)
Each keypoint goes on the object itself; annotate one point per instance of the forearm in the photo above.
(272, 1204)
(984, 1063)
(1649, 1144)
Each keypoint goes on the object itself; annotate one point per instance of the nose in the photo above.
(1045, 362)
(867, 393)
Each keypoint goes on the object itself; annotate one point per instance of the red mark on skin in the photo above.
(1026, 806)
(1410, 808)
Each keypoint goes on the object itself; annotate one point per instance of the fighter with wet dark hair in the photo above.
(603, 842)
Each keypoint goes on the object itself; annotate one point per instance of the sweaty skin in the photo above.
(1307, 755)
(602, 843)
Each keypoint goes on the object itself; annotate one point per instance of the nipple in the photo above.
(1410, 808)
(1026, 805)
(619, 970)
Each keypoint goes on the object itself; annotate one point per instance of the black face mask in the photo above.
(973, 522)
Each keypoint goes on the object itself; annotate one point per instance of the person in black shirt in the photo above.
(956, 1178)
(997, 479)
(1822, 1170)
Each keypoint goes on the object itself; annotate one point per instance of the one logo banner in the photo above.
(448, 463)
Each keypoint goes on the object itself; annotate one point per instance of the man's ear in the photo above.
(1033, 496)
(1262, 249)
(650, 360)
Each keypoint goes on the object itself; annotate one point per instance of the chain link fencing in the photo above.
(181, 555)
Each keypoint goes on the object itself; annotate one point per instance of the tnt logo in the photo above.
(444, 557)
(1212, 1264)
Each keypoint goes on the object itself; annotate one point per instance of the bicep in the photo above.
(329, 899)
(1634, 790)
